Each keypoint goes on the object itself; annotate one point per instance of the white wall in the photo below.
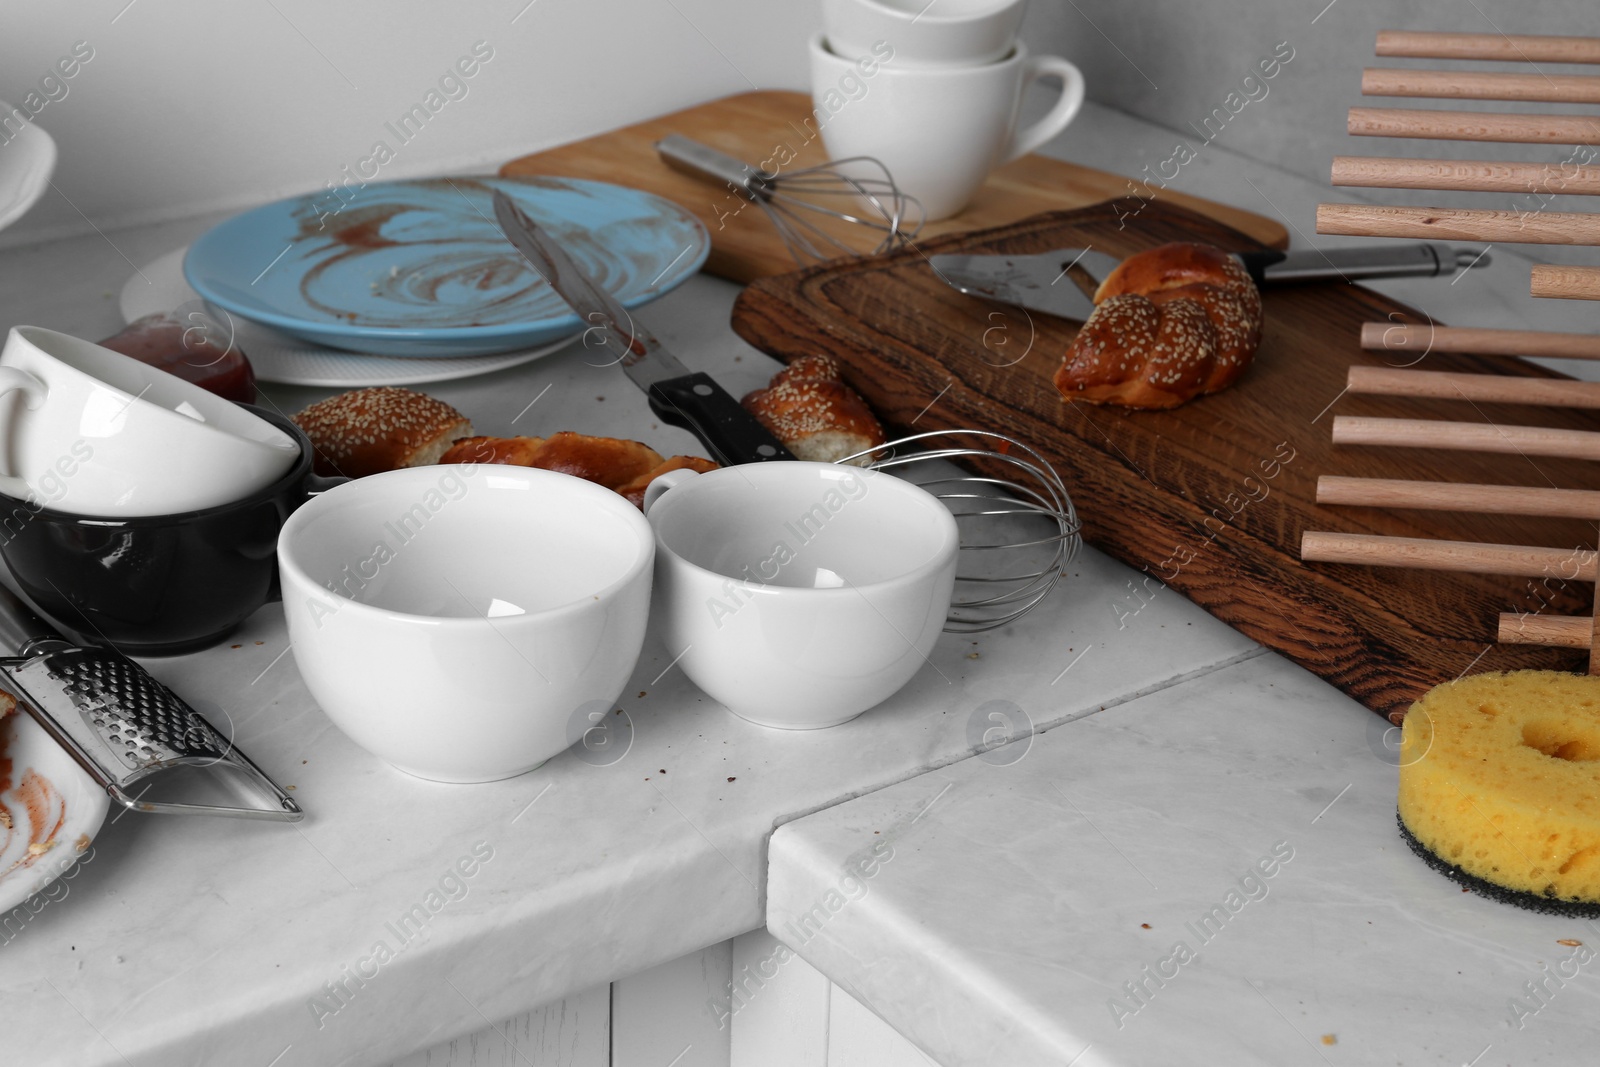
(194, 105)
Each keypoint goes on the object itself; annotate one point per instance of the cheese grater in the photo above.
(139, 740)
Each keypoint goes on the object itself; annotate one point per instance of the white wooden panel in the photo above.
(778, 1010)
(575, 1032)
(667, 1016)
(858, 1038)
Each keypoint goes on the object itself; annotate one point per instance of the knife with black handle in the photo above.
(684, 398)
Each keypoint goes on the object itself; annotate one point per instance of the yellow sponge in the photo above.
(1500, 782)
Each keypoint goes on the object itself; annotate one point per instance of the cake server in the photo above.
(140, 741)
(690, 399)
(1045, 282)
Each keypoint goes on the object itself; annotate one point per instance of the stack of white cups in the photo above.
(933, 90)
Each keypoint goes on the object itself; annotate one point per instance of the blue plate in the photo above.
(419, 268)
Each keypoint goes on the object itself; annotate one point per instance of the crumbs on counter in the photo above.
(1144, 926)
(1329, 1039)
(235, 646)
(641, 692)
(1570, 942)
(733, 779)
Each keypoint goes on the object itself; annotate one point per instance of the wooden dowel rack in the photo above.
(1459, 224)
(1459, 496)
(1466, 437)
(1557, 631)
(1416, 44)
(1473, 126)
(1416, 338)
(1475, 85)
(1467, 175)
(1522, 561)
(1565, 283)
(1480, 388)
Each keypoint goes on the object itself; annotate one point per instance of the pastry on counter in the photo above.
(1500, 787)
(1169, 324)
(369, 431)
(809, 408)
(627, 467)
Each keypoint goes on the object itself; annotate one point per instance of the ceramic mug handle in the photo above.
(653, 491)
(1066, 109)
(34, 392)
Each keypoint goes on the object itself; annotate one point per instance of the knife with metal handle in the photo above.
(140, 741)
(1045, 282)
(689, 399)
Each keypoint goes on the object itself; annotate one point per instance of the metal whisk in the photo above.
(786, 198)
(1018, 533)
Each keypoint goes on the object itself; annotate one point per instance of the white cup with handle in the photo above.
(939, 130)
(89, 431)
(925, 33)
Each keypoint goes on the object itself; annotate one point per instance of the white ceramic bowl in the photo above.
(459, 621)
(800, 594)
(93, 432)
(923, 34)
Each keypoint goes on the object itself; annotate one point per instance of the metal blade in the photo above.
(1038, 283)
(644, 359)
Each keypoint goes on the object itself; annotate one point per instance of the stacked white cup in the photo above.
(933, 90)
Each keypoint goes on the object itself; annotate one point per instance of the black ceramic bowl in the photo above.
(159, 585)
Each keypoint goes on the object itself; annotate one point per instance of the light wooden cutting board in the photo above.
(760, 126)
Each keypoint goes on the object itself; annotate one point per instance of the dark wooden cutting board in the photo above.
(1211, 497)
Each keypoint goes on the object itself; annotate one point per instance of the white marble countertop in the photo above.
(1068, 901)
(191, 941)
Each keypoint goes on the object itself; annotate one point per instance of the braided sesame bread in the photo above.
(1169, 324)
(369, 431)
(809, 408)
(626, 467)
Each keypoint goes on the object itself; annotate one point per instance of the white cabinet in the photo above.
(785, 1013)
(749, 1002)
(575, 1032)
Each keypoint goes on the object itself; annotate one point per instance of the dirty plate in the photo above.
(419, 268)
(27, 159)
(49, 801)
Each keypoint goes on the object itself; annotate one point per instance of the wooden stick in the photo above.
(1473, 126)
(1483, 388)
(1558, 631)
(1459, 224)
(1594, 633)
(1415, 44)
(1479, 85)
(1459, 496)
(1467, 175)
(1420, 339)
(1522, 561)
(1466, 437)
(1566, 283)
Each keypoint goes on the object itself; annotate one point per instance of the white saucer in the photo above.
(276, 357)
(71, 811)
(27, 160)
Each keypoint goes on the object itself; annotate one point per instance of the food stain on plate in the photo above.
(33, 806)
